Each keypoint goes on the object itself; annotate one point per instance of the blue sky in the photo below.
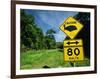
(50, 19)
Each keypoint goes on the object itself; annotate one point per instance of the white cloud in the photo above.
(60, 36)
(54, 18)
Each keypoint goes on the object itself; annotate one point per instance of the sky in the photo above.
(50, 19)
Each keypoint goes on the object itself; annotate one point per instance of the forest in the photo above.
(32, 36)
(33, 40)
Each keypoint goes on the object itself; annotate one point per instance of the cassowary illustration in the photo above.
(70, 28)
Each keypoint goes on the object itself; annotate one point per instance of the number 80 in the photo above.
(70, 52)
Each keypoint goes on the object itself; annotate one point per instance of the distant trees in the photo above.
(50, 39)
(32, 36)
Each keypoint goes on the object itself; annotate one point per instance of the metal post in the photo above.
(74, 63)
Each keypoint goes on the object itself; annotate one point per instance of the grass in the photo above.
(52, 58)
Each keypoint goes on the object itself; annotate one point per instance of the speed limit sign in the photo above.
(73, 50)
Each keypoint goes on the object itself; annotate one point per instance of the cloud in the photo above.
(60, 36)
(54, 18)
(47, 19)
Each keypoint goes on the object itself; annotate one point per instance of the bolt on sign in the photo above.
(73, 50)
(71, 27)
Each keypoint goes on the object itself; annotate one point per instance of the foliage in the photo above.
(32, 36)
(84, 34)
(50, 39)
(52, 58)
(59, 45)
(83, 17)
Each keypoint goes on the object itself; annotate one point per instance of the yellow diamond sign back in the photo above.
(71, 27)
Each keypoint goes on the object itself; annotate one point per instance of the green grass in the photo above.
(52, 58)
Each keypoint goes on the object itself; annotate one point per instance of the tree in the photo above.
(84, 18)
(50, 39)
(31, 35)
(27, 24)
(39, 38)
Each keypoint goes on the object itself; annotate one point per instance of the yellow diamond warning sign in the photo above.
(71, 27)
(73, 50)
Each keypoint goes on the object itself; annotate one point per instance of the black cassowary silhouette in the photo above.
(70, 28)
